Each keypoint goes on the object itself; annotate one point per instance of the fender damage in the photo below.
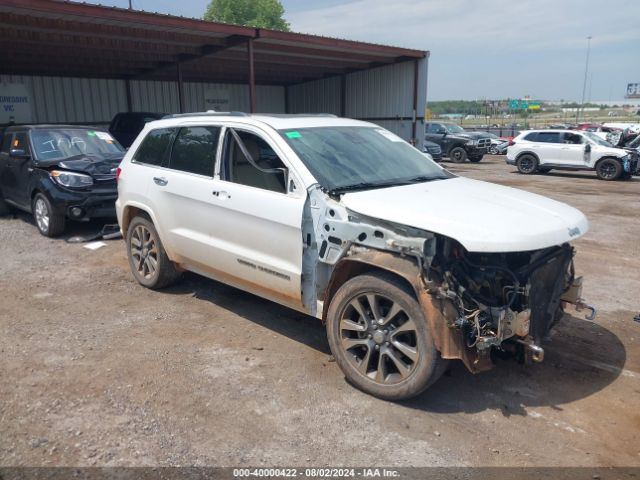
(477, 305)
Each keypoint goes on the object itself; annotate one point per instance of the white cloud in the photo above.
(496, 47)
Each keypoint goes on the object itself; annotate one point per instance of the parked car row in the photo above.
(309, 212)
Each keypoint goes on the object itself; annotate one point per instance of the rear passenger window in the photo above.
(549, 137)
(155, 146)
(194, 150)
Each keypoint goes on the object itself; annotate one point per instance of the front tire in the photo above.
(458, 155)
(380, 339)
(608, 169)
(527, 164)
(148, 259)
(49, 222)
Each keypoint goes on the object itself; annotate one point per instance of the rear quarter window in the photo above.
(531, 137)
(155, 146)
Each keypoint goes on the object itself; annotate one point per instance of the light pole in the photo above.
(584, 85)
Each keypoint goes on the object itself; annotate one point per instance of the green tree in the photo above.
(249, 13)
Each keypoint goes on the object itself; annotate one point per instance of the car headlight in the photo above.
(71, 179)
(427, 154)
(472, 142)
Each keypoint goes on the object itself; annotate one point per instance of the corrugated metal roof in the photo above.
(88, 40)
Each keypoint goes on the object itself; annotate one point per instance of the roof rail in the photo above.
(288, 115)
(208, 113)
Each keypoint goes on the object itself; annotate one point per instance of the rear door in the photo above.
(548, 147)
(181, 195)
(17, 170)
(4, 163)
(434, 132)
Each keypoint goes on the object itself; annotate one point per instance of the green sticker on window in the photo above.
(293, 134)
(91, 133)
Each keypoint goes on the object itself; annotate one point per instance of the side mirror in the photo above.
(587, 148)
(443, 132)
(19, 153)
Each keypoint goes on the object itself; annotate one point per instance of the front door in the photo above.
(258, 216)
(573, 150)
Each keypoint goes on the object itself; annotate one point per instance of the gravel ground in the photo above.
(97, 370)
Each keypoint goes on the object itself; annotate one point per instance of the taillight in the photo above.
(118, 170)
(511, 142)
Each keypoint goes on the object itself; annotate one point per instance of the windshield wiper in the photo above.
(425, 178)
(394, 183)
(365, 186)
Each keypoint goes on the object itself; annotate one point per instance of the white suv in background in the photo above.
(542, 150)
(408, 265)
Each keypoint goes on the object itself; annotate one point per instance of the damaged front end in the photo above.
(478, 305)
(504, 302)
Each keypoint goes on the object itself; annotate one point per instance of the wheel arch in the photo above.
(384, 262)
(131, 211)
(405, 268)
(528, 152)
(606, 157)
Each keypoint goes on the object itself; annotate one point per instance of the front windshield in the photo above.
(596, 139)
(452, 128)
(58, 143)
(360, 157)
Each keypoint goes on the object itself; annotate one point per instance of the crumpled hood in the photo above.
(483, 217)
(92, 164)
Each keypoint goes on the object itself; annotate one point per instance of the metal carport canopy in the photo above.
(60, 38)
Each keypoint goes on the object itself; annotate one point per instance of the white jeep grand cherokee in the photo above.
(542, 150)
(408, 264)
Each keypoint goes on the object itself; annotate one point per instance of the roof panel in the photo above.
(92, 40)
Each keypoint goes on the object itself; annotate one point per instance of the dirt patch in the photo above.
(97, 370)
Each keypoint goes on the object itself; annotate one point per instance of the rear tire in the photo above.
(148, 259)
(527, 164)
(608, 169)
(380, 339)
(457, 155)
(49, 222)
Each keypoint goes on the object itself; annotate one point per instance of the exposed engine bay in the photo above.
(479, 305)
(511, 297)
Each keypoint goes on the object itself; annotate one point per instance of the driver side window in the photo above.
(255, 172)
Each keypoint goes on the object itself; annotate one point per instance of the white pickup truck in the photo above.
(409, 265)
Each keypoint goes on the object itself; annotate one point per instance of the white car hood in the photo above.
(482, 216)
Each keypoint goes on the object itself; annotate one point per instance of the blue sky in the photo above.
(482, 49)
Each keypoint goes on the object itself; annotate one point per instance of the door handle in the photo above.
(221, 194)
(160, 181)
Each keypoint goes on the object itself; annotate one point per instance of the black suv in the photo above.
(456, 142)
(126, 126)
(58, 172)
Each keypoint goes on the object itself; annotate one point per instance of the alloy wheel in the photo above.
(42, 215)
(608, 170)
(380, 338)
(144, 252)
(526, 164)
